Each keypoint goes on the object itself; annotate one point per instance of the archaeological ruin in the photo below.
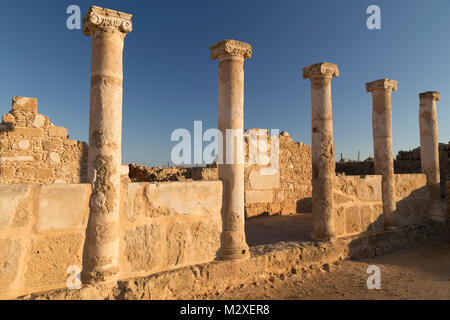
(71, 212)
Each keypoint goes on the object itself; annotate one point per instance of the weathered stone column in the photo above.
(322, 148)
(429, 151)
(382, 144)
(108, 29)
(231, 55)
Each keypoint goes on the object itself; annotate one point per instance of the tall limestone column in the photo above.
(231, 55)
(382, 144)
(107, 29)
(429, 151)
(322, 148)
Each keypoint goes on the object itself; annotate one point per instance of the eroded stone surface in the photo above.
(10, 202)
(49, 258)
(10, 250)
(144, 247)
(63, 207)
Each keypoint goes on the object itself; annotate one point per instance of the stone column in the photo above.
(382, 144)
(231, 55)
(107, 29)
(322, 148)
(429, 151)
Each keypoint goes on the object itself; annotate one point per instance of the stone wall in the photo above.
(169, 225)
(138, 173)
(412, 198)
(42, 231)
(405, 162)
(163, 226)
(359, 207)
(34, 150)
(283, 190)
(400, 167)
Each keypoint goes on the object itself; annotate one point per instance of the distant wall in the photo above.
(163, 226)
(359, 207)
(285, 190)
(405, 162)
(34, 150)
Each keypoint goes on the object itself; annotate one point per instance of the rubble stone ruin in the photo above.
(68, 208)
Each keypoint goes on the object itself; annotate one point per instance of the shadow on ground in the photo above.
(269, 229)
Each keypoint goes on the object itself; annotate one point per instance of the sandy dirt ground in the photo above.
(420, 273)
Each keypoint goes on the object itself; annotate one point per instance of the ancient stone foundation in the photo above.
(162, 227)
(278, 260)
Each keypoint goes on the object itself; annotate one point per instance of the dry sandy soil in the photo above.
(420, 273)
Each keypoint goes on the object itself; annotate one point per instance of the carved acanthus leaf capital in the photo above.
(381, 84)
(321, 70)
(433, 95)
(106, 20)
(231, 48)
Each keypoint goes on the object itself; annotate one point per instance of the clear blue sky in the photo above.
(170, 80)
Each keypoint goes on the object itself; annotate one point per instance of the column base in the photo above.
(235, 253)
(106, 276)
(323, 237)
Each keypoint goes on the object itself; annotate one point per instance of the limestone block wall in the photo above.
(283, 190)
(34, 150)
(42, 230)
(359, 207)
(412, 198)
(358, 204)
(163, 226)
(169, 225)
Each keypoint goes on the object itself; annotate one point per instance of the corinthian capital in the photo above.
(106, 20)
(231, 48)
